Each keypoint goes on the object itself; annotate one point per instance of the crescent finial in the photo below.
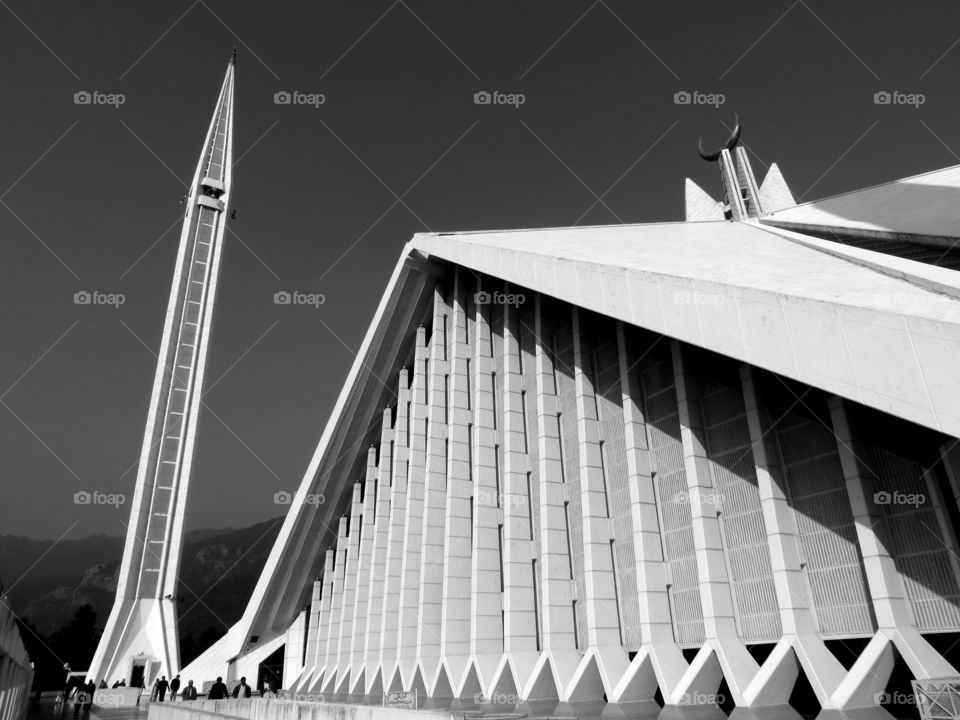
(730, 143)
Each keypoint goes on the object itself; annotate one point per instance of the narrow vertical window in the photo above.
(566, 528)
(616, 590)
(536, 604)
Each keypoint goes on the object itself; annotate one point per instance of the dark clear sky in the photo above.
(90, 193)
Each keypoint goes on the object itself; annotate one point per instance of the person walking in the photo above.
(162, 686)
(189, 692)
(174, 686)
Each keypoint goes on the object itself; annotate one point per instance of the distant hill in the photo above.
(221, 567)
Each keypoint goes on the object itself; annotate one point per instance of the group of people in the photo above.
(218, 691)
(84, 691)
(160, 687)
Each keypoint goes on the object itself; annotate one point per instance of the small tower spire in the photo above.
(741, 198)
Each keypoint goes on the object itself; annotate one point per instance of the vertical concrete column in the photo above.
(322, 661)
(719, 620)
(520, 626)
(336, 608)
(793, 593)
(7, 699)
(939, 498)
(354, 530)
(398, 512)
(413, 528)
(458, 565)
(950, 453)
(602, 613)
(655, 625)
(367, 531)
(372, 633)
(313, 630)
(555, 580)
(435, 490)
(886, 587)
(486, 630)
(293, 649)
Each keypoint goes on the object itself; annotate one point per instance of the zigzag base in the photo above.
(659, 682)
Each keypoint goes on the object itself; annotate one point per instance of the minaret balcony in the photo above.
(212, 186)
(210, 202)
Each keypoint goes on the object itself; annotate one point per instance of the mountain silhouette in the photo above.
(218, 572)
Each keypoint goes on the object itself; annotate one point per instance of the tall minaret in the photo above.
(140, 638)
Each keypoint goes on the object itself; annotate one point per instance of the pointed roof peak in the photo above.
(774, 192)
(699, 205)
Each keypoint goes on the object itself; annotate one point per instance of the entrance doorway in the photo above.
(136, 673)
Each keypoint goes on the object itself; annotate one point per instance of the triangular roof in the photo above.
(866, 327)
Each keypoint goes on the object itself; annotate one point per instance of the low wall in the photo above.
(276, 709)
